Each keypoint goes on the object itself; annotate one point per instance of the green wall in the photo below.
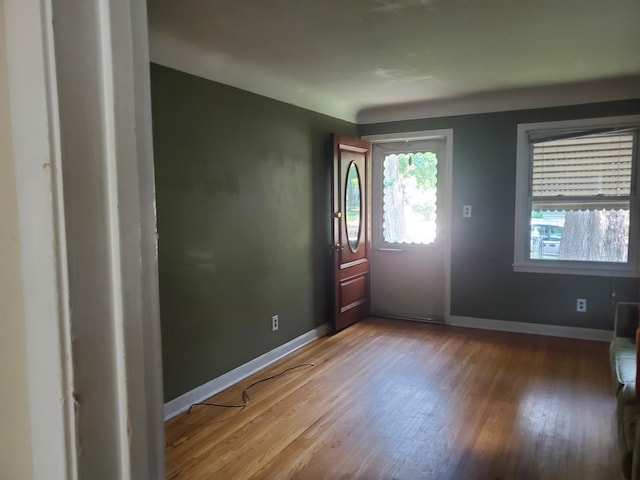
(243, 196)
(483, 283)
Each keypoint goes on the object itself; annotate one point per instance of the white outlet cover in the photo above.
(581, 305)
(466, 211)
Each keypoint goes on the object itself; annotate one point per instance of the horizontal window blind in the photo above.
(583, 171)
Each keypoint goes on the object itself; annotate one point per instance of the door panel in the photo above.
(408, 284)
(408, 255)
(353, 290)
(351, 230)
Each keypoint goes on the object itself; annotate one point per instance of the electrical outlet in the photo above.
(581, 305)
(466, 211)
(274, 323)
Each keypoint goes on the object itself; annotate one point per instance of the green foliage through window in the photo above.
(410, 194)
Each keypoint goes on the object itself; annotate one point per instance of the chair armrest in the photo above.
(626, 319)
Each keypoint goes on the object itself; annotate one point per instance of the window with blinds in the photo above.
(576, 202)
(582, 171)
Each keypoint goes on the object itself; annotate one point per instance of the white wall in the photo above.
(15, 438)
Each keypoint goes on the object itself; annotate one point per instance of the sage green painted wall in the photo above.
(483, 283)
(243, 195)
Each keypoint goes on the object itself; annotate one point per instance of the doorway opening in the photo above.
(410, 220)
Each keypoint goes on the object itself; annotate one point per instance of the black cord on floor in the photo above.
(245, 392)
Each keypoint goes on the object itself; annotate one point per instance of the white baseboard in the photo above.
(198, 394)
(532, 328)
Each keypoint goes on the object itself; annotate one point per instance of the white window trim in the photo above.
(521, 261)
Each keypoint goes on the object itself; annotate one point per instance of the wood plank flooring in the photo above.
(400, 400)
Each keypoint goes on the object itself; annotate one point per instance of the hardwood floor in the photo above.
(398, 400)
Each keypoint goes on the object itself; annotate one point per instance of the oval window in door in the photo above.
(352, 206)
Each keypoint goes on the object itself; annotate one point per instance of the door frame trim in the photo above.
(120, 164)
(447, 136)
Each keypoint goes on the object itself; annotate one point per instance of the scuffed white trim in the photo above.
(62, 375)
(532, 328)
(33, 87)
(184, 401)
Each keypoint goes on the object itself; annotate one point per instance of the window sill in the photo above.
(577, 268)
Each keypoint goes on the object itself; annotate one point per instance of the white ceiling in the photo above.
(377, 60)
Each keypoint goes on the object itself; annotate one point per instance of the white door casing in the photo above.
(81, 128)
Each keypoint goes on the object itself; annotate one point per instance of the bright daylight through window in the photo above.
(577, 209)
(409, 196)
